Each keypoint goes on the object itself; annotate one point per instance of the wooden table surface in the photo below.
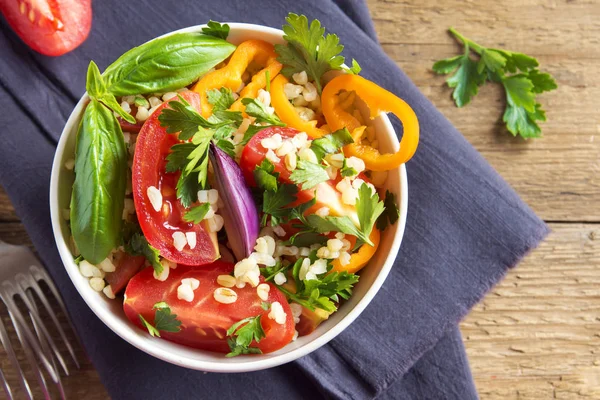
(537, 334)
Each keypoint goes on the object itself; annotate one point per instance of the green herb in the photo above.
(164, 320)
(275, 203)
(268, 80)
(227, 146)
(97, 90)
(323, 292)
(309, 50)
(517, 73)
(242, 333)
(99, 188)
(253, 130)
(331, 143)
(308, 174)
(165, 64)
(368, 208)
(255, 108)
(355, 69)
(347, 171)
(216, 29)
(336, 224)
(305, 239)
(221, 99)
(196, 214)
(391, 213)
(269, 272)
(139, 246)
(78, 259)
(265, 305)
(141, 102)
(265, 176)
(183, 118)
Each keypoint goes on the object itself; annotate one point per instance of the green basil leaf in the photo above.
(99, 188)
(111, 102)
(164, 64)
(94, 84)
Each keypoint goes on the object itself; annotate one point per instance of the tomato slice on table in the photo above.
(152, 147)
(204, 321)
(327, 195)
(50, 27)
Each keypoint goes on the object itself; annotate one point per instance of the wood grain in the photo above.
(537, 334)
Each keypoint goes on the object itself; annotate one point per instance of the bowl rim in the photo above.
(257, 362)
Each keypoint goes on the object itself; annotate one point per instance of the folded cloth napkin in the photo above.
(465, 225)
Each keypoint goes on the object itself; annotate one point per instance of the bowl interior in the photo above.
(110, 311)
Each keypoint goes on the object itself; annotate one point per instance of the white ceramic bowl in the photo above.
(111, 312)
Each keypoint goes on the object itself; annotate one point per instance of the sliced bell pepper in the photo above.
(287, 113)
(361, 257)
(259, 81)
(378, 100)
(230, 76)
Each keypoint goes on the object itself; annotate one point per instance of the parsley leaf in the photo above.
(181, 117)
(335, 224)
(216, 29)
(309, 50)
(164, 320)
(331, 143)
(308, 174)
(274, 203)
(242, 333)
(221, 99)
(390, 214)
(227, 146)
(265, 176)
(522, 110)
(368, 208)
(139, 246)
(256, 108)
(347, 171)
(196, 214)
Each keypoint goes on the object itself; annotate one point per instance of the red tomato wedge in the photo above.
(126, 267)
(204, 321)
(327, 195)
(152, 147)
(50, 27)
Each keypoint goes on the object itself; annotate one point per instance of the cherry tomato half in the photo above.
(152, 147)
(50, 27)
(204, 321)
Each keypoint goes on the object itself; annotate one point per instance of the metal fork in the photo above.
(20, 274)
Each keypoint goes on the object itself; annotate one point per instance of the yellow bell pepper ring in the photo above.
(287, 113)
(230, 76)
(361, 257)
(378, 100)
(259, 81)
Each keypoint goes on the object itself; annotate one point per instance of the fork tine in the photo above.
(44, 345)
(33, 284)
(40, 274)
(5, 385)
(8, 290)
(21, 280)
(13, 360)
(31, 358)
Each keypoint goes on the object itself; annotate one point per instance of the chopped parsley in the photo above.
(139, 246)
(309, 174)
(331, 143)
(216, 29)
(242, 334)
(196, 214)
(391, 213)
(164, 320)
(308, 49)
(256, 108)
(368, 208)
(347, 171)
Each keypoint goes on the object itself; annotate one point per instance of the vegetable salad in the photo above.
(230, 195)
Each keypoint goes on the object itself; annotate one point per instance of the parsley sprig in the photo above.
(516, 72)
(164, 320)
(197, 132)
(309, 49)
(139, 246)
(242, 333)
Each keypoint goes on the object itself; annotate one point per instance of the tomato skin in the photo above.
(204, 320)
(126, 267)
(58, 26)
(327, 195)
(152, 147)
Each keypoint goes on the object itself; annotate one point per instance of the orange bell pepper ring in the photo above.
(230, 76)
(378, 100)
(287, 113)
(361, 257)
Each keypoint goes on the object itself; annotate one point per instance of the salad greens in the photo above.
(139, 246)
(164, 320)
(242, 333)
(99, 188)
(516, 72)
(166, 63)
